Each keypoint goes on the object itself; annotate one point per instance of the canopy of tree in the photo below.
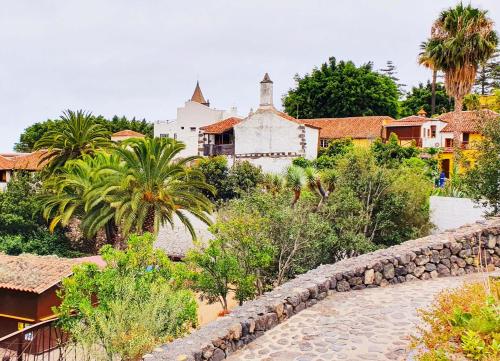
(341, 89)
(35, 132)
(420, 97)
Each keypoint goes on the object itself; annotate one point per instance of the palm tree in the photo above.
(150, 187)
(66, 196)
(461, 39)
(424, 60)
(313, 179)
(76, 134)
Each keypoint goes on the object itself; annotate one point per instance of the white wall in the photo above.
(271, 165)
(450, 212)
(312, 143)
(189, 120)
(431, 142)
(266, 132)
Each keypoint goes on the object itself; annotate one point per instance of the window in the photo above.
(433, 131)
(193, 129)
(3, 176)
(175, 135)
(163, 135)
(182, 127)
(465, 138)
(323, 143)
(448, 142)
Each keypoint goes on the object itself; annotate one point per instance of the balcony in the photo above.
(219, 149)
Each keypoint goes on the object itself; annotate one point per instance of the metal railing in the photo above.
(43, 341)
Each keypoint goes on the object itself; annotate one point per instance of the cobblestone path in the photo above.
(372, 324)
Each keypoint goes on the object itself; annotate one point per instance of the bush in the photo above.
(464, 321)
(141, 303)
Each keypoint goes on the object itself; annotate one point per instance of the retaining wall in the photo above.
(452, 253)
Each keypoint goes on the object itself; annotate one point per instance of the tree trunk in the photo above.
(149, 222)
(433, 90)
(459, 101)
(111, 230)
(296, 197)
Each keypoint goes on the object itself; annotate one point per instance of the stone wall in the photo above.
(446, 254)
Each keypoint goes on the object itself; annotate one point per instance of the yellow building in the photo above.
(460, 138)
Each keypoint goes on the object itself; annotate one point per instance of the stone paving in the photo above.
(372, 324)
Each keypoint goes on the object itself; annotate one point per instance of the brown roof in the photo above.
(411, 121)
(5, 163)
(127, 133)
(23, 161)
(368, 127)
(30, 273)
(471, 121)
(198, 95)
(222, 126)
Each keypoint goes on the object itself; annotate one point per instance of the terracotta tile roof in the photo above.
(470, 121)
(411, 121)
(5, 163)
(36, 274)
(198, 95)
(368, 127)
(23, 161)
(127, 133)
(221, 126)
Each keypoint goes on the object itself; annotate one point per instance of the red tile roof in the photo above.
(127, 133)
(468, 121)
(368, 127)
(30, 273)
(23, 161)
(221, 126)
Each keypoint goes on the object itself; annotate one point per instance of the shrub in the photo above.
(462, 321)
(140, 302)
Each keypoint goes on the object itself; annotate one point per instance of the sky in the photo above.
(142, 58)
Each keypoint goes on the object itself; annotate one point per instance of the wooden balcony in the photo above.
(219, 149)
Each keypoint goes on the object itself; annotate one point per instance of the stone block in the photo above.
(369, 277)
(421, 260)
(343, 286)
(388, 271)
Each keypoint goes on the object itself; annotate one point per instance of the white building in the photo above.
(267, 137)
(195, 113)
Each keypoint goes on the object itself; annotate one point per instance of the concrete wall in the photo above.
(449, 212)
(312, 143)
(446, 254)
(266, 132)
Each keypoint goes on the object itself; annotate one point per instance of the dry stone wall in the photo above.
(451, 253)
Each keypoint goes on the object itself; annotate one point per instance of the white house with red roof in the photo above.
(195, 113)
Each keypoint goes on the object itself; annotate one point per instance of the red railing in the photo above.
(42, 341)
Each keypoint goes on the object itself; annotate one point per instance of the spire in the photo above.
(421, 112)
(266, 92)
(198, 96)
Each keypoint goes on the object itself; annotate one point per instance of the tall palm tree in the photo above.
(424, 60)
(66, 196)
(150, 187)
(461, 39)
(76, 134)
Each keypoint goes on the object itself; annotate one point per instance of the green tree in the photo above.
(77, 134)
(488, 75)
(149, 187)
(462, 38)
(483, 180)
(390, 70)
(35, 132)
(391, 153)
(141, 303)
(420, 97)
(66, 196)
(340, 89)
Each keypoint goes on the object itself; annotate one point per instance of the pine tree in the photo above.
(390, 70)
(488, 75)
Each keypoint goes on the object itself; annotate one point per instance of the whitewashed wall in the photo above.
(449, 212)
(312, 143)
(438, 140)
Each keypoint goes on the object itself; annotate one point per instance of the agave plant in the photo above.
(295, 179)
(314, 182)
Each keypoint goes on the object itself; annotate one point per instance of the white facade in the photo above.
(271, 139)
(430, 141)
(190, 118)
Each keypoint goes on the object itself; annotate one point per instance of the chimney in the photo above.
(266, 92)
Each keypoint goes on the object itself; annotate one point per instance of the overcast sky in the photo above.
(142, 57)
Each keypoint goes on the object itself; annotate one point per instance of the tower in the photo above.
(198, 96)
(266, 92)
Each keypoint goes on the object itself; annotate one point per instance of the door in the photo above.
(445, 167)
